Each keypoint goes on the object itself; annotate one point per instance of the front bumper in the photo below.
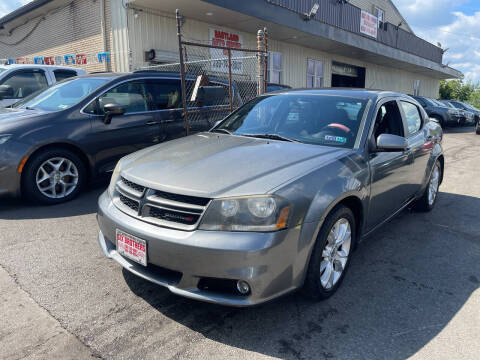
(10, 179)
(267, 261)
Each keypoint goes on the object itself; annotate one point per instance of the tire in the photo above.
(315, 286)
(440, 121)
(425, 203)
(478, 130)
(71, 175)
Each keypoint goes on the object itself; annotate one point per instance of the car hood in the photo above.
(217, 165)
(9, 115)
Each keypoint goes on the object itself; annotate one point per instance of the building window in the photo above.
(416, 87)
(380, 14)
(314, 74)
(275, 67)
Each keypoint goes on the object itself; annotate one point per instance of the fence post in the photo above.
(260, 57)
(230, 92)
(265, 65)
(182, 72)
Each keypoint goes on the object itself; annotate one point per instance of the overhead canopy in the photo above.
(288, 26)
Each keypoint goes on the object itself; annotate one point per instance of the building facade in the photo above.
(359, 43)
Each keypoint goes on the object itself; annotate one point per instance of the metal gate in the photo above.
(216, 78)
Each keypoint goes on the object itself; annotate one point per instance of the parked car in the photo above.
(477, 128)
(444, 115)
(53, 143)
(473, 114)
(276, 87)
(465, 116)
(20, 81)
(272, 199)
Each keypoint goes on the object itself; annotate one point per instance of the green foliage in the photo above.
(458, 90)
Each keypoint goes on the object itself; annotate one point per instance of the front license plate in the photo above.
(132, 247)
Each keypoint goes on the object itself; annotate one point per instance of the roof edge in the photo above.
(25, 9)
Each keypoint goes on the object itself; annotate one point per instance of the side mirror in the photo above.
(389, 142)
(112, 110)
(6, 92)
(434, 120)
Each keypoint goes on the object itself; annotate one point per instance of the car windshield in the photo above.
(439, 103)
(449, 104)
(431, 101)
(62, 95)
(308, 118)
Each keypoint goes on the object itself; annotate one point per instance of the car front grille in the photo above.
(161, 208)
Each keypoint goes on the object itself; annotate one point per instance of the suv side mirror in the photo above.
(112, 110)
(435, 120)
(389, 142)
(6, 92)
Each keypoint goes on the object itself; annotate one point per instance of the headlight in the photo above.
(113, 180)
(253, 213)
(4, 138)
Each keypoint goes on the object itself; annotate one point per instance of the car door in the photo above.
(23, 83)
(419, 144)
(166, 99)
(390, 182)
(137, 128)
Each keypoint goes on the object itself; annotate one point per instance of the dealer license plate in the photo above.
(132, 247)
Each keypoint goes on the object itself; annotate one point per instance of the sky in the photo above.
(455, 24)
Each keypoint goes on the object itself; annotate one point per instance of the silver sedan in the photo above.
(274, 198)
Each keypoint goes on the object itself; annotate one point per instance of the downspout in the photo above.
(104, 32)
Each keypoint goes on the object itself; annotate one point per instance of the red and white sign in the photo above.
(132, 247)
(368, 24)
(220, 57)
(81, 59)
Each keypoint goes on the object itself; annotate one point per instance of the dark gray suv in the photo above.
(55, 142)
(444, 115)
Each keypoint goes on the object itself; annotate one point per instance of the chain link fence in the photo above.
(216, 79)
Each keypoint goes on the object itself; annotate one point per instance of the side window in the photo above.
(64, 74)
(164, 94)
(26, 83)
(389, 120)
(131, 95)
(412, 116)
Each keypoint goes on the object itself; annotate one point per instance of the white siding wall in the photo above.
(149, 31)
(391, 14)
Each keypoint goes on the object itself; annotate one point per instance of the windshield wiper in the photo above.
(225, 131)
(271, 137)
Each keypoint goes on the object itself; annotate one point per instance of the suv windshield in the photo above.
(62, 95)
(307, 118)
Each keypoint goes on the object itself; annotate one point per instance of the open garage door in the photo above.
(349, 76)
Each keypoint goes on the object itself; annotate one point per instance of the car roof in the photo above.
(353, 92)
(38, 66)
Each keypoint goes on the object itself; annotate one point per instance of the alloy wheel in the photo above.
(433, 185)
(335, 253)
(57, 177)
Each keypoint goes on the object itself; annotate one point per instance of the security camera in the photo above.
(312, 12)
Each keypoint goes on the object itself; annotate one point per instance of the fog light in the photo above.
(243, 287)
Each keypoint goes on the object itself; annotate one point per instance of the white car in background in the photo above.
(18, 81)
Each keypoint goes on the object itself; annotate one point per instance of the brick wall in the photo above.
(70, 29)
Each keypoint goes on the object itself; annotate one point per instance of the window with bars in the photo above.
(275, 67)
(314, 73)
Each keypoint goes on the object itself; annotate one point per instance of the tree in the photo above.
(457, 90)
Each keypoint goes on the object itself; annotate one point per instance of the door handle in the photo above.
(152, 122)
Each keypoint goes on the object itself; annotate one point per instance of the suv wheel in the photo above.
(331, 254)
(54, 176)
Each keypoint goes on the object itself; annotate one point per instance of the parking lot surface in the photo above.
(413, 289)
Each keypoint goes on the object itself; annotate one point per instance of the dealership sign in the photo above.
(219, 57)
(368, 24)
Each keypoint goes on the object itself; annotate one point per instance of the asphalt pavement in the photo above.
(413, 290)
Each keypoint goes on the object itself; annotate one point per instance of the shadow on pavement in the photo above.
(85, 203)
(402, 289)
(459, 130)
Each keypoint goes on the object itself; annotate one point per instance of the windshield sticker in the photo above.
(339, 139)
